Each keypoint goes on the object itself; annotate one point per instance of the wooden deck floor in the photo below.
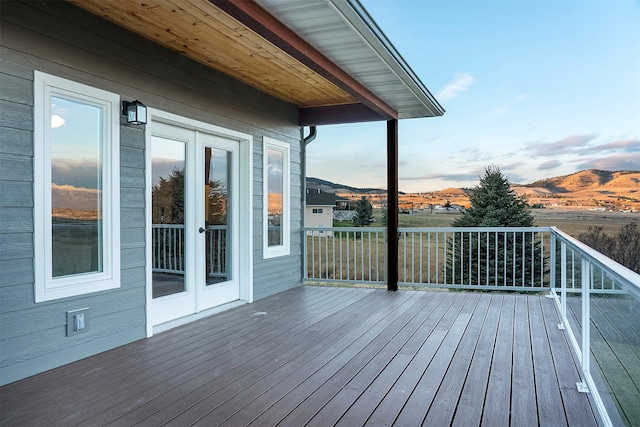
(327, 356)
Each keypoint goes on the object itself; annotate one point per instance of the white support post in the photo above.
(563, 284)
(552, 260)
(563, 281)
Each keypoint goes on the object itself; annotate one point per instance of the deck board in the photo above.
(322, 356)
(496, 410)
(243, 366)
(547, 385)
(319, 388)
(469, 411)
(523, 385)
(328, 391)
(444, 405)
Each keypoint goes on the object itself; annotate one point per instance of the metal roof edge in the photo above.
(356, 15)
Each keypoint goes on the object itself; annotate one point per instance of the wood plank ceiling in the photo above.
(204, 32)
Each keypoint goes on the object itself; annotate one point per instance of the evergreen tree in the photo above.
(495, 204)
(514, 258)
(168, 199)
(363, 213)
(385, 216)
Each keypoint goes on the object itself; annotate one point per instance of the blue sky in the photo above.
(539, 88)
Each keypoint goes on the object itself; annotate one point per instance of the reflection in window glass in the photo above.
(76, 134)
(275, 185)
(168, 214)
(217, 181)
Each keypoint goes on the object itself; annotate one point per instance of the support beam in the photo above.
(336, 114)
(392, 205)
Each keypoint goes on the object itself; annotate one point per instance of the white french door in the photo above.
(194, 247)
(217, 216)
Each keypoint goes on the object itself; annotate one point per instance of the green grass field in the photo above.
(571, 222)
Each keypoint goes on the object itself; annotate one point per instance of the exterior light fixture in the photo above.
(135, 111)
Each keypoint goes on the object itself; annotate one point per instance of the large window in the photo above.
(276, 198)
(76, 188)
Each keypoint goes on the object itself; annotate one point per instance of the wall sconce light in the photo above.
(135, 111)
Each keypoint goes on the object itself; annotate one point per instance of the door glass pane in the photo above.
(168, 213)
(217, 185)
(76, 187)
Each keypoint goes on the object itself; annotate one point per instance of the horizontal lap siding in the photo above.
(60, 39)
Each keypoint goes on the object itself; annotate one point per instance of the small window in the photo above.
(76, 188)
(317, 210)
(276, 198)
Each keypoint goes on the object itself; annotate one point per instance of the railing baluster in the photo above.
(429, 258)
(348, 255)
(495, 280)
(404, 257)
(437, 264)
(326, 255)
(333, 253)
(420, 257)
(470, 280)
(541, 260)
(533, 263)
(478, 260)
(341, 263)
(313, 256)
(487, 258)
(453, 259)
(504, 258)
(444, 256)
(362, 255)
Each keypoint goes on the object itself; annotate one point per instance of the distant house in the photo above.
(320, 210)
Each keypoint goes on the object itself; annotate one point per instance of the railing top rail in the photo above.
(210, 227)
(370, 229)
(217, 227)
(437, 229)
(628, 278)
(474, 229)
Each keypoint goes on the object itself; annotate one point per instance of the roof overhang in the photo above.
(327, 57)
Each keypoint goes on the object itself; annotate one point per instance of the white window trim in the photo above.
(285, 248)
(46, 287)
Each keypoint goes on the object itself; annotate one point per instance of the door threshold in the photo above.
(192, 317)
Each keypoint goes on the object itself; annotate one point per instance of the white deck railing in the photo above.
(592, 288)
(538, 259)
(168, 249)
(468, 258)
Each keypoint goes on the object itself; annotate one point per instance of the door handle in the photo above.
(202, 230)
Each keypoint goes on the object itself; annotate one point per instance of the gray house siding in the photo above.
(60, 39)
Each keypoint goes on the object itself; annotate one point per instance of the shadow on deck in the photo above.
(321, 356)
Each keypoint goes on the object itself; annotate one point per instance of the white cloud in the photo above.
(461, 83)
(549, 164)
(614, 162)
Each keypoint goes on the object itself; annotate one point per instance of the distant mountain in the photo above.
(589, 189)
(331, 187)
(592, 179)
(74, 198)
